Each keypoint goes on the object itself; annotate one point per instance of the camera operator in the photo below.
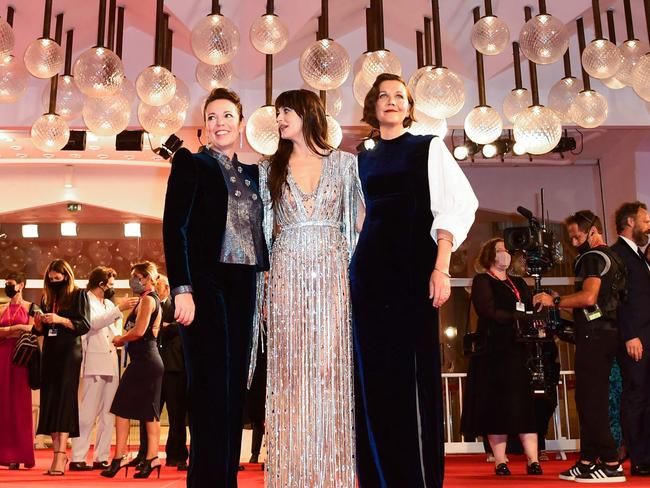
(600, 276)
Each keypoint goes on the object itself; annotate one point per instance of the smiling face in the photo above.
(289, 124)
(223, 125)
(392, 103)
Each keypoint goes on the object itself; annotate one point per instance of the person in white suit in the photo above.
(99, 371)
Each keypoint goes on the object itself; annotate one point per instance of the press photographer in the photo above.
(600, 282)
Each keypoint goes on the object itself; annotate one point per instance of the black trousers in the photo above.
(635, 402)
(595, 352)
(217, 350)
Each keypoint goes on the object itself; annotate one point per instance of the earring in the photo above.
(241, 140)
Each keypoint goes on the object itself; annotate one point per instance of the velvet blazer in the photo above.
(196, 207)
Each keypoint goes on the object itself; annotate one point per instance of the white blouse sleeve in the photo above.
(453, 203)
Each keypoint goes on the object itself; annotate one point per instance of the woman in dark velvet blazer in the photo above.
(419, 207)
(213, 254)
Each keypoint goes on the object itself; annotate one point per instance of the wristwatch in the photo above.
(557, 300)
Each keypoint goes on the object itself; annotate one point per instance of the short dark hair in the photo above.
(370, 102)
(17, 276)
(488, 253)
(99, 275)
(585, 220)
(625, 211)
(224, 94)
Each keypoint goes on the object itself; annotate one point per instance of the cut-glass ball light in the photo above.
(543, 39)
(334, 132)
(50, 133)
(215, 39)
(334, 102)
(13, 79)
(155, 86)
(166, 119)
(415, 77)
(515, 102)
(127, 90)
(98, 72)
(325, 64)
(7, 39)
(589, 109)
(269, 35)
(601, 59)
(425, 125)
(360, 88)
(641, 77)
(440, 93)
(378, 62)
(483, 124)
(107, 116)
(211, 77)
(561, 96)
(69, 100)
(43, 58)
(613, 83)
(538, 129)
(631, 50)
(262, 130)
(490, 35)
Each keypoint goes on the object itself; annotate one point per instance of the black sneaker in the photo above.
(602, 473)
(575, 470)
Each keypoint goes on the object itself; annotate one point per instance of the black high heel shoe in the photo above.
(147, 469)
(114, 467)
(55, 472)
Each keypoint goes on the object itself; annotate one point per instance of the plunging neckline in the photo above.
(299, 195)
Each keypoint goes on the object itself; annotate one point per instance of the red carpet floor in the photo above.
(462, 471)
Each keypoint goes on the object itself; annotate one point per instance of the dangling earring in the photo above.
(241, 140)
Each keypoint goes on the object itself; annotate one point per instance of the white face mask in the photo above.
(502, 260)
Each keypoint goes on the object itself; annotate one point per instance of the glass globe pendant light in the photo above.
(127, 87)
(440, 92)
(361, 86)
(543, 38)
(211, 77)
(483, 124)
(43, 56)
(7, 37)
(631, 49)
(589, 108)
(601, 58)
(538, 129)
(334, 132)
(613, 82)
(156, 85)
(641, 73)
(563, 92)
(268, 34)
(490, 35)
(69, 100)
(215, 38)
(519, 98)
(13, 75)
(423, 41)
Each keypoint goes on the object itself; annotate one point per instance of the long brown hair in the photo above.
(310, 109)
(64, 297)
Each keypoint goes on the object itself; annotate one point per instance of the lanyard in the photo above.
(509, 284)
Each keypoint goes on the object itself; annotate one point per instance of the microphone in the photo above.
(525, 212)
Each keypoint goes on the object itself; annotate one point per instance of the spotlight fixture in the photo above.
(169, 147)
(566, 144)
(489, 150)
(77, 141)
(129, 140)
(30, 230)
(518, 149)
(500, 147)
(69, 229)
(468, 149)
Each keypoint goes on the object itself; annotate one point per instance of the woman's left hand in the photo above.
(49, 318)
(439, 288)
(117, 341)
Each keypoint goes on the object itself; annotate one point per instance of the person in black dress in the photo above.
(498, 400)
(64, 319)
(138, 396)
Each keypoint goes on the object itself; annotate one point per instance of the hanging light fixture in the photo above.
(127, 87)
(262, 127)
(13, 76)
(268, 34)
(215, 38)
(641, 73)
(424, 55)
(519, 98)
(99, 72)
(334, 102)
(589, 108)
(601, 58)
(69, 100)
(334, 132)
(211, 77)
(483, 124)
(537, 128)
(360, 86)
(543, 38)
(43, 56)
(50, 132)
(613, 82)
(380, 60)
(325, 64)
(156, 85)
(490, 35)
(562, 93)
(632, 49)
(440, 92)
(7, 38)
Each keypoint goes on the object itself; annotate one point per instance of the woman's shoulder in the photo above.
(480, 277)
(344, 158)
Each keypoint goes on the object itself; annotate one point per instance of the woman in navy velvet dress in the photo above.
(419, 208)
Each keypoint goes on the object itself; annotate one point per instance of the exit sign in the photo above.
(74, 207)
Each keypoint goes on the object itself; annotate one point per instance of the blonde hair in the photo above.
(146, 268)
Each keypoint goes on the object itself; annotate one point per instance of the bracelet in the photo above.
(443, 238)
(443, 272)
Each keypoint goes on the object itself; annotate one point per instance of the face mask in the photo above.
(502, 260)
(584, 247)
(57, 286)
(136, 285)
(10, 291)
(109, 293)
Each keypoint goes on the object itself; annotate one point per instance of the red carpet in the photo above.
(462, 471)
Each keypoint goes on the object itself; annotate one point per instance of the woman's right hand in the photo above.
(128, 303)
(184, 308)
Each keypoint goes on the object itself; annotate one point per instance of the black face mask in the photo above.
(10, 291)
(109, 293)
(57, 286)
(584, 247)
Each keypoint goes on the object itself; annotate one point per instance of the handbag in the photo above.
(474, 343)
(25, 348)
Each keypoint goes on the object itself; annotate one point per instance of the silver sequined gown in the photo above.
(310, 404)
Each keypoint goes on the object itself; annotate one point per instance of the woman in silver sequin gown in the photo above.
(309, 411)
